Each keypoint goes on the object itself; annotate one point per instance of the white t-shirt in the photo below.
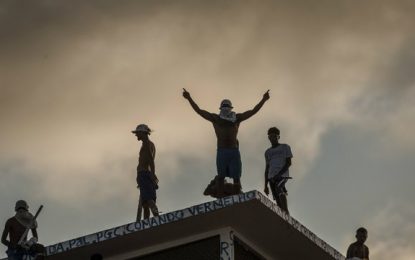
(276, 158)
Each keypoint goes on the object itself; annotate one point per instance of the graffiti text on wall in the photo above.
(149, 223)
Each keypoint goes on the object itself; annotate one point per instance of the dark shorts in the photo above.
(147, 186)
(278, 187)
(14, 254)
(228, 163)
(20, 253)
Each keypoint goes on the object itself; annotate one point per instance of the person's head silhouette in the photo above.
(361, 235)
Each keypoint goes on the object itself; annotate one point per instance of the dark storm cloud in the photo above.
(265, 36)
(399, 74)
(391, 84)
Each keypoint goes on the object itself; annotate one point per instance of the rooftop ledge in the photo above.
(250, 214)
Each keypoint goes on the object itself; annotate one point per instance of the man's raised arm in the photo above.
(249, 113)
(203, 113)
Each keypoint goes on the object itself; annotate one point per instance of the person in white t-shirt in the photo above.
(277, 161)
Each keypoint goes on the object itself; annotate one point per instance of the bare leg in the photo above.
(153, 207)
(220, 186)
(237, 187)
(282, 202)
(139, 209)
(146, 211)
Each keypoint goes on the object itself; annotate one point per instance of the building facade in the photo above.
(239, 227)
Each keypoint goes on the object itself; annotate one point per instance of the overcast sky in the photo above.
(77, 76)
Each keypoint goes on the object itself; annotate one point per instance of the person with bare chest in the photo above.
(226, 126)
(16, 228)
(147, 180)
(358, 250)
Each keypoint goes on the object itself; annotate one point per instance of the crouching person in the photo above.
(16, 229)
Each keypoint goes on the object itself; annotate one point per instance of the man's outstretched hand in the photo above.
(186, 94)
(266, 95)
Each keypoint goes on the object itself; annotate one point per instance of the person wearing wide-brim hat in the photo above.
(147, 180)
(15, 229)
(226, 125)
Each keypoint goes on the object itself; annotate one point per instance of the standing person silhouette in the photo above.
(277, 164)
(358, 250)
(146, 176)
(226, 126)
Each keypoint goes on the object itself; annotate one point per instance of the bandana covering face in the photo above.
(26, 219)
(226, 113)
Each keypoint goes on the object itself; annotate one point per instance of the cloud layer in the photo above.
(76, 78)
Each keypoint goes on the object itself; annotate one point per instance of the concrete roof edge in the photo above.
(189, 212)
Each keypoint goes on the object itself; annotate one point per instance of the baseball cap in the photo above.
(226, 103)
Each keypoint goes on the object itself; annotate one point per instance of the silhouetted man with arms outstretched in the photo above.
(226, 125)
